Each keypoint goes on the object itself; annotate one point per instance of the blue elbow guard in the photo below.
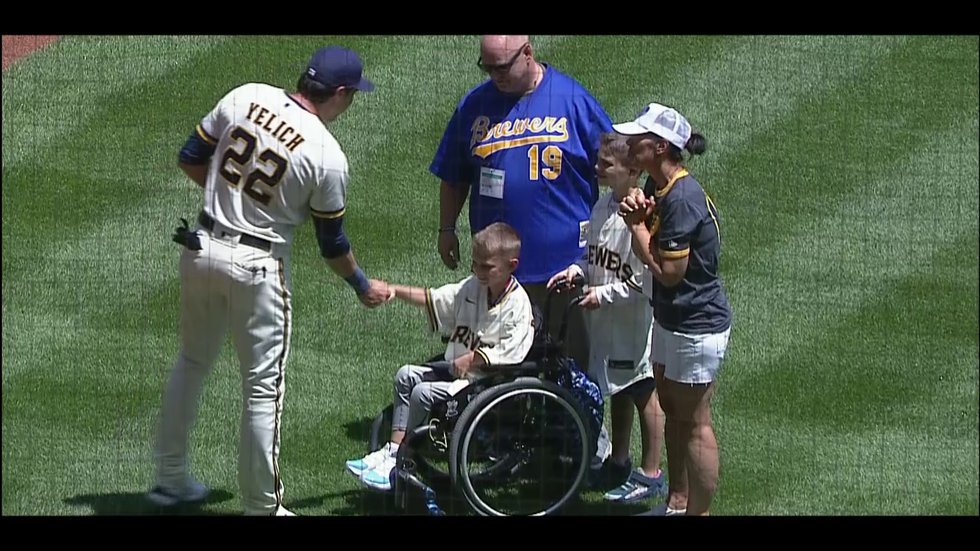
(196, 150)
(330, 235)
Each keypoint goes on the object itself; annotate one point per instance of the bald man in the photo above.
(522, 147)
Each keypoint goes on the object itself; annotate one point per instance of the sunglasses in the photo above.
(503, 67)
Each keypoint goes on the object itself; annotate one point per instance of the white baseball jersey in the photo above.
(619, 329)
(502, 333)
(275, 164)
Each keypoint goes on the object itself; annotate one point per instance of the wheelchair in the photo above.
(516, 442)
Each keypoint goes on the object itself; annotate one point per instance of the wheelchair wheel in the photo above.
(520, 448)
(431, 457)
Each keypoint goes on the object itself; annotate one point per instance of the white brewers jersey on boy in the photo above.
(619, 330)
(501, 333)
(275, 164)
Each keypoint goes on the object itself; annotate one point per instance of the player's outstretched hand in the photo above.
(377, 294)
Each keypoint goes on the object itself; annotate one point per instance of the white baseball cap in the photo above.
(660, 120)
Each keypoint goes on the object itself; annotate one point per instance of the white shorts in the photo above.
(687, 358)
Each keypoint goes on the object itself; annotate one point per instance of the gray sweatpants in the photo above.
(417, 389)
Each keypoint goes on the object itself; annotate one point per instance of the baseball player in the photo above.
(620, 323)
(521, 146)
(489, 322)
(266, 162)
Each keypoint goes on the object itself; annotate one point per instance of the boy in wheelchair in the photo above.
(489, 320)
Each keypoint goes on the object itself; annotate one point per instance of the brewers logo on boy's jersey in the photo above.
(530, 162)
(274, 165)
(502, 333)
(619, 329)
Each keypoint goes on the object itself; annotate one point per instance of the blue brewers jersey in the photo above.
(530, 162)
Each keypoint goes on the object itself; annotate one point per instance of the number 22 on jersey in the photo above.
(233, 161)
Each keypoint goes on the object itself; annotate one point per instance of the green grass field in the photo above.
(845, 170)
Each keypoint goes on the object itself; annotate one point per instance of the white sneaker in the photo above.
(284, 512)
(379, 477)
(193, 492)
(357, 467)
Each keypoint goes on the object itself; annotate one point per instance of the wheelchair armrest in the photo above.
(440, 365)
(523, 368)
(526, 366)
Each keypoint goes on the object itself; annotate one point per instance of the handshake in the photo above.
(378, 293)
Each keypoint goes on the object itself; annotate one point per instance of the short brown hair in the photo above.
(498, 238)
(616, 144)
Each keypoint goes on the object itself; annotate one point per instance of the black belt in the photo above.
(208, 223)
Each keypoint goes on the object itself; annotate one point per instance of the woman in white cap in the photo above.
(676, 232)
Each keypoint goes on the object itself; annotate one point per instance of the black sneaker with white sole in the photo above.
(610, 475)
(194, 492)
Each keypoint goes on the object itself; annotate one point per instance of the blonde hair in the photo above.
(498, 238)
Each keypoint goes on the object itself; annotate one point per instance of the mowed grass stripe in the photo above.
(873, 328)
(653, 70)
(895, 378)
(838, 139)
(847, 231)
(809, 470)
(68, 223)
(52, 95)
(116, 145)
(87, 228)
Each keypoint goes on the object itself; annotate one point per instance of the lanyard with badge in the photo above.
(491, 182)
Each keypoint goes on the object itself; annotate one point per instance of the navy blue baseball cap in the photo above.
(337, 66)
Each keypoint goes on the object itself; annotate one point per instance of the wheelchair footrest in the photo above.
(428, 492)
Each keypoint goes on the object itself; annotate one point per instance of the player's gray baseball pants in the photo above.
(229, 285)
(417, 389)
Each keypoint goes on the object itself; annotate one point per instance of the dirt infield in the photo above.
(17, 47)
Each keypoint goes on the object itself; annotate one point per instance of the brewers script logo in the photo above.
(486, 140)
